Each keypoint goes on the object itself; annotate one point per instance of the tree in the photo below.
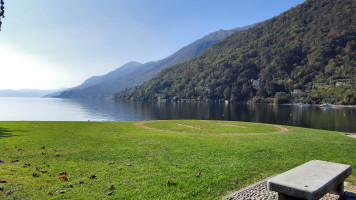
(2, 11)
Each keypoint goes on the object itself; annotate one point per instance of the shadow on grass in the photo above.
(5, 132)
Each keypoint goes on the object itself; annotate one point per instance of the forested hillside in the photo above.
(309, 47)
(133, 73)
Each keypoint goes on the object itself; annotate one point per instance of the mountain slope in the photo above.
(90, 87)
(25, 93)
(125, 69)
(135, 73)
(313, 43)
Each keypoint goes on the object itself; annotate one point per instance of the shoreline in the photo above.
(241, 102)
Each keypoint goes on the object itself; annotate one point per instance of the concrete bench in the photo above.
(311, 180)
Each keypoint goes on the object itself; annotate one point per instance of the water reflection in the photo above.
(341, 119)
(312, 117)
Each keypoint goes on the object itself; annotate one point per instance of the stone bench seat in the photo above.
(311, 180)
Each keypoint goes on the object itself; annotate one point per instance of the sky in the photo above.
(53, 44)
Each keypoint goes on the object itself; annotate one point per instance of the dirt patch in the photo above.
(281, 129)
(237, 126)
(189, 126)
(351, 188)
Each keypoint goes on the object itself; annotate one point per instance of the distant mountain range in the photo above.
(134, 73)
(26, 93)
(310, 46)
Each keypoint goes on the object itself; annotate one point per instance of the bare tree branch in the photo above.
(2, 11)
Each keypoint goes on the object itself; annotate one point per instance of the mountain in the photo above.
(125, 69)
(102, 86)
(133, 73)
(52, 94)
(311, 45)
(25, 93)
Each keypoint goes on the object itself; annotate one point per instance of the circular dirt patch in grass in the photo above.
(211, 127)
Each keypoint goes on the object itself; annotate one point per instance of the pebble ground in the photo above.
(259, 191)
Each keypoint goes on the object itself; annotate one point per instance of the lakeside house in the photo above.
(342, 84)
(256, 83)
(297, 92)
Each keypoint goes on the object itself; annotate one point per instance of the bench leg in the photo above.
(339, 190)
(287, 197)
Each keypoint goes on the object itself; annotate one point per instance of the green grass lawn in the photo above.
(158, 151)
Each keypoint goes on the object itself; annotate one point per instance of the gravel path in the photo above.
(256, 191)
(259, 191)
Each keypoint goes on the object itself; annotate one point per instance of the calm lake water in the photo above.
(50, 109)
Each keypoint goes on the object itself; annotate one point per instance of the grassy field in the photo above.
(138, 158)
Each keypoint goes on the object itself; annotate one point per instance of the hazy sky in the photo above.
(51, 44)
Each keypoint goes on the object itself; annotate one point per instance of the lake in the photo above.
(52, 109)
